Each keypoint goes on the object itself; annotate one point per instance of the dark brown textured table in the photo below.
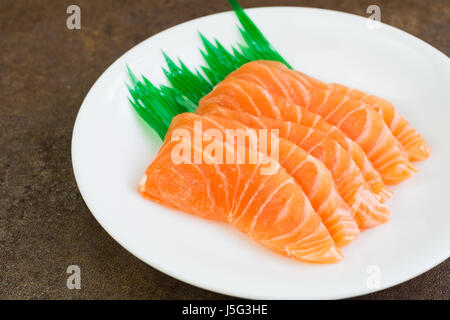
(45, 72)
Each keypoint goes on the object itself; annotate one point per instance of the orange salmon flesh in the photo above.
(299, 165)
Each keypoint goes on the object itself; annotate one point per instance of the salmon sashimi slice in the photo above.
(272, 209)
(358, 120)
(366, 206)
(310, 173)
(413, 142)
(246, 96)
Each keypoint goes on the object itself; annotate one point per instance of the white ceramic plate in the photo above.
(112, 147)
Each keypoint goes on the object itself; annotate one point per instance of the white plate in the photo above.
(112, 147)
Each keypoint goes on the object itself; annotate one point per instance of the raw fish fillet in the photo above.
(361, 122)
(310, 173)
(272, 209)
(367, 208)
(246, 96)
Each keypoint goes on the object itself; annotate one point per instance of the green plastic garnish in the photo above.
(157, 105)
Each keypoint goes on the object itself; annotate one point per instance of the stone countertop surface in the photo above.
(45, 72)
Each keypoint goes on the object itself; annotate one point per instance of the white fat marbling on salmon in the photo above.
(268, 199)
(142, 183)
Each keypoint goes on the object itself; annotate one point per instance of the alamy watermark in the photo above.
(73, 22)
(373, 21)
(74, 278)
(236, 146)
(373, 280)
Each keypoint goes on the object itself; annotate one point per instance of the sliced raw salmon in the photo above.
(310, 173)
(358, 120)
(272, 209)
(413, 142)
(243, 95)
(368, 210)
